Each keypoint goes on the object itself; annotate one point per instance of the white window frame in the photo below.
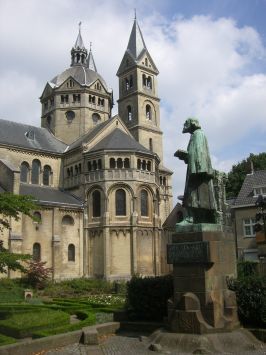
(249, 223)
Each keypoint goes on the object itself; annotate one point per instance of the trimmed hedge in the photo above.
(88, 317)
(4, 340)
(147, 297)
(22, 325)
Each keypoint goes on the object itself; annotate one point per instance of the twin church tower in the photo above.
(78, 99)
(99, 180)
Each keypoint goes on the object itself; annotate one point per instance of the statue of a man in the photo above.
(199, 198)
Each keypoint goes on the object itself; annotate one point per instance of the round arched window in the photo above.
(67, 221)
(70, 115)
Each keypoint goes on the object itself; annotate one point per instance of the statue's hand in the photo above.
(182, 155)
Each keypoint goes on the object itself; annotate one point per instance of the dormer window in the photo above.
(259, 191)
(30, 134)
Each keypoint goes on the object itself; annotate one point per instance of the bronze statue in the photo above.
(199, 198)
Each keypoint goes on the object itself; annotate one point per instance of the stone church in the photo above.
(103, 192)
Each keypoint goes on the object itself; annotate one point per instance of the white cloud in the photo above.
(206, 66)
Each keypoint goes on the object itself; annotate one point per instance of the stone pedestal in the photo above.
(203, 257)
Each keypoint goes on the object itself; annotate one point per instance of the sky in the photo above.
(211, 55)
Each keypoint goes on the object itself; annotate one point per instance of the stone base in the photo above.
(238, 341)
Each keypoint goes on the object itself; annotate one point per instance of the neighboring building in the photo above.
(244, 214)
(100, 181)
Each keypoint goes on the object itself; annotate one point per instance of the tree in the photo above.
(11, 261)
(37, 274)
(239, 171)
(10, 207)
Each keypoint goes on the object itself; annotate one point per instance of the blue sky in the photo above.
(211, 56)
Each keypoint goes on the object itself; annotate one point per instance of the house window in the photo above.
(96, 203)
(148, 112)
(112, 163)
(91, 99)
(49, 121)
(46, 178)
(150, 144)
(131, 81)
(24, 172)
(76, 98)
(120, 202)
(260, 191)
(64, 99)
(127, 84)
(144, 203)
(248, 226)
(36, 167)
(36, 252)
(96, 118)
(71, 252)
(70, 115)
(119, 163)
(67, 221)
(250, 255)
(129, 113)
(126, 163)
(38, 217)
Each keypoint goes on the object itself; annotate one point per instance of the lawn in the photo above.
(85, 301)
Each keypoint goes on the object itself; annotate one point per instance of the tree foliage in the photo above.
(37, 273)
(239, 171)
(11, 261)
(12, 205)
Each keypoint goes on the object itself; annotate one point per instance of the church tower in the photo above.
(77, 99)
(138, 103)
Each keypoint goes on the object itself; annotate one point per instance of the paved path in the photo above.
(124, 345)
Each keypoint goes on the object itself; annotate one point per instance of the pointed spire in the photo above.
(90, 61)
(79, 41)
(136, 42)
(79, 53)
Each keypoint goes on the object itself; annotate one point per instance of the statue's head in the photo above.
(191, 125)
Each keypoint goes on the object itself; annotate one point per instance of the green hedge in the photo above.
(21, 325)
(88, 317)
(5, 340)
(147, 297)
(250, 289)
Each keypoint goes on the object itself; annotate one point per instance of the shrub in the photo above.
(21, 325)
(247, 268)
(147, 297)
(251, 299)
(37, 274)
(4, 340)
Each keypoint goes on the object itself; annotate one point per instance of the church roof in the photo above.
(83, 75)
(29, 137)
(246, 195)
(119, 140)
(136, 44)
(89, 135)
(49, 195)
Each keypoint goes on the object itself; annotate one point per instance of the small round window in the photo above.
(70, 115)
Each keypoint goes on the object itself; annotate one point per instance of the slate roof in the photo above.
(89, 135)
(50, 195)
(119, 140)
(136, 44)
(246, 195)
(83, 75)
(18, 134)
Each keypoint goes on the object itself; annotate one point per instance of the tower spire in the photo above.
(136, 42)
(90, 61)
(79, 53)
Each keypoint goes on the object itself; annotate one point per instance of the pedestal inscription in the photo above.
(191, 252)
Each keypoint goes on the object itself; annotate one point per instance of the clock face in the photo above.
(70, 115)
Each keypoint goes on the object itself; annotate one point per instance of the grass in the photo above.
(49, 312)
(21, 325)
